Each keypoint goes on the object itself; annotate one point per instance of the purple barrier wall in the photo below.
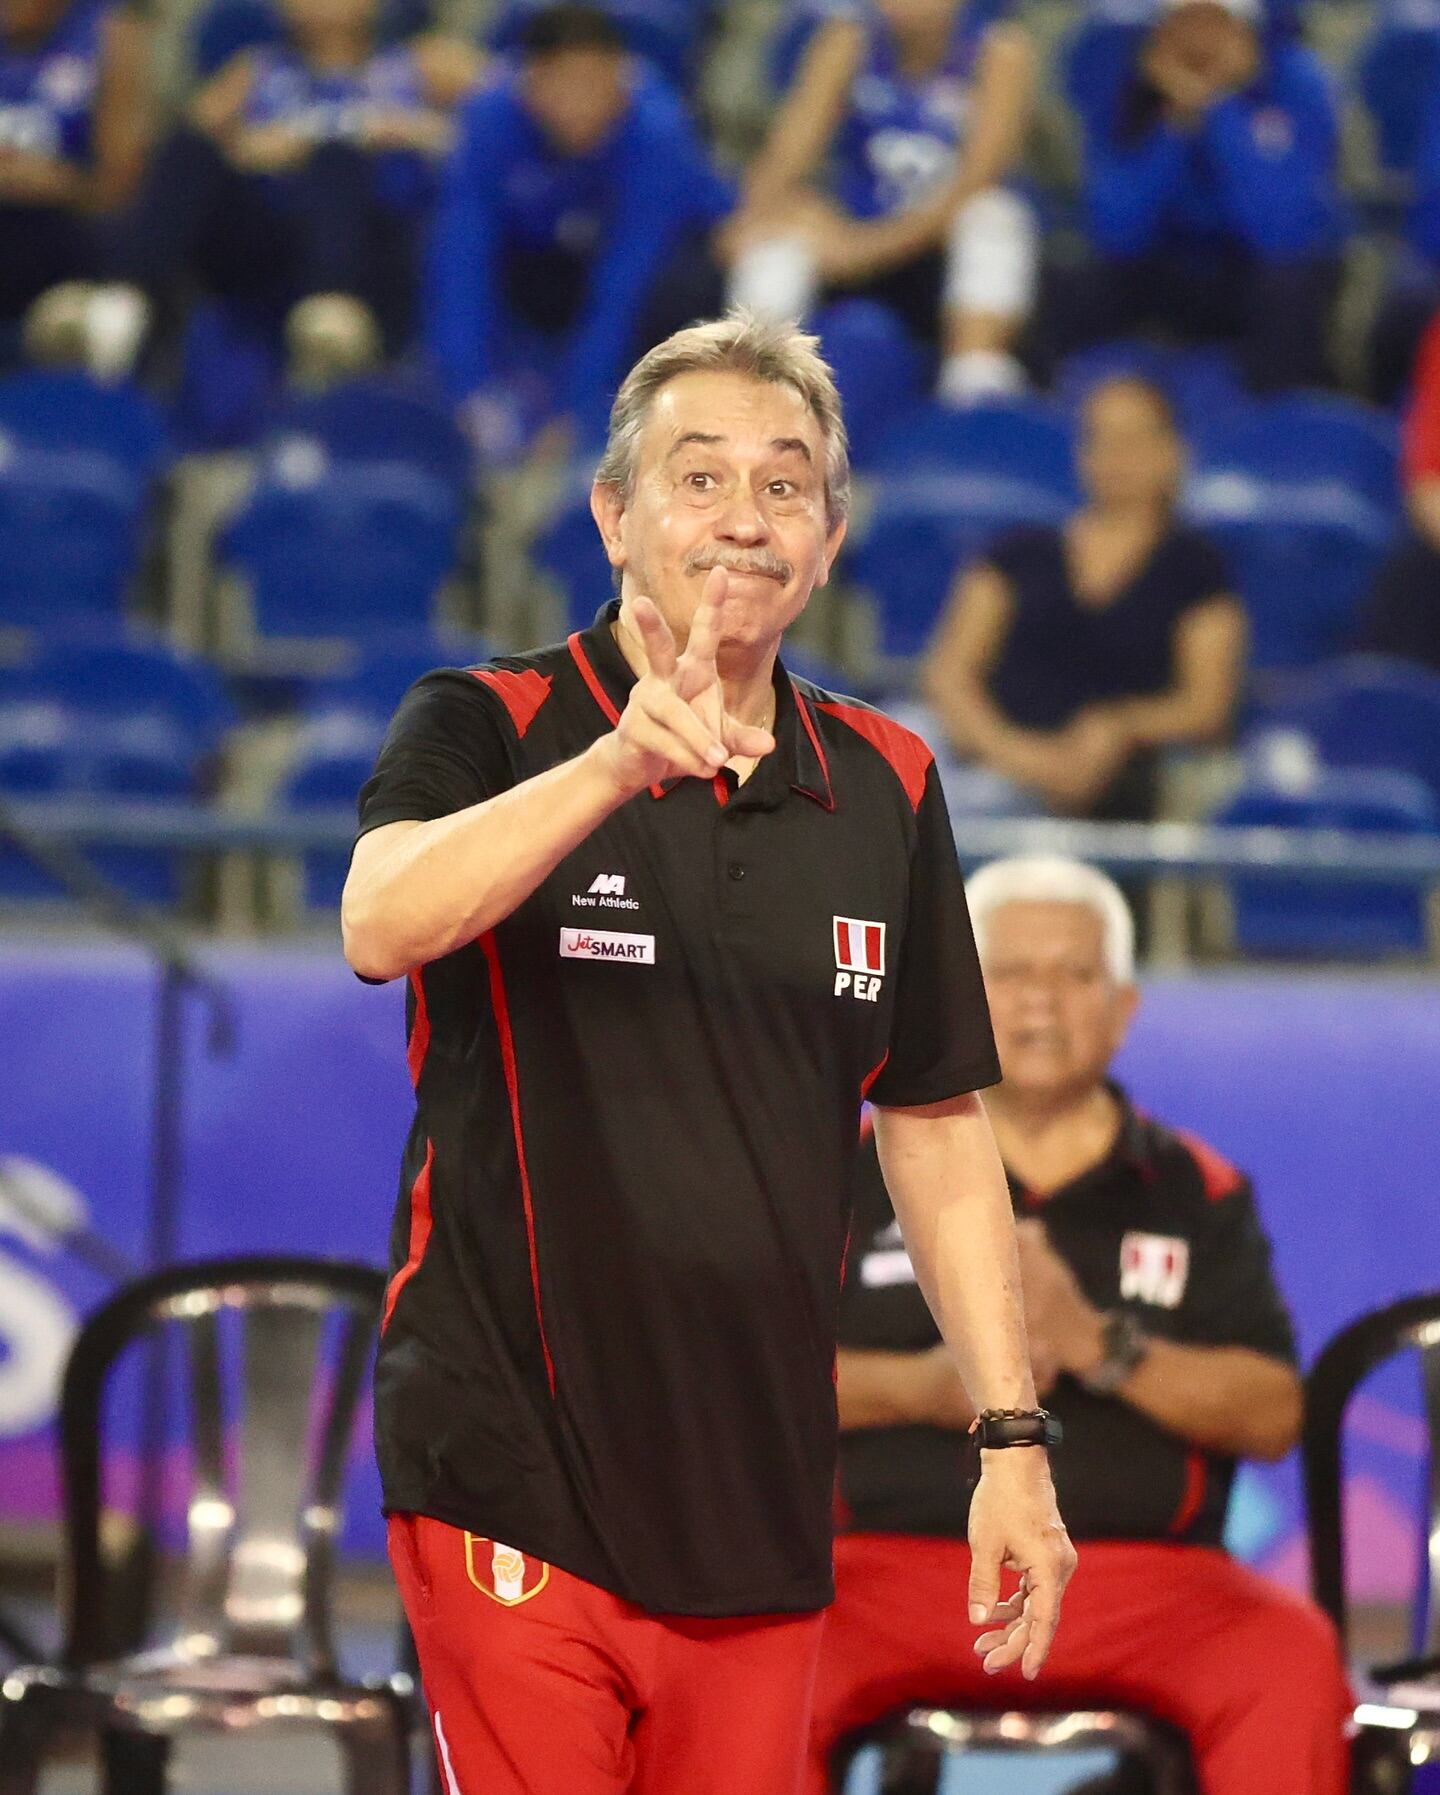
(1323, 1087)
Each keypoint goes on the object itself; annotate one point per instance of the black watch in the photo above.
(1126, 1343)
(995, 1429)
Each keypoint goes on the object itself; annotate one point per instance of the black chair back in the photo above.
(1411, 1324)
(275, 1352)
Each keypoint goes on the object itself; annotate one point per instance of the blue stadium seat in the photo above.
(354, 549)
(881, 372)
(1367, 713)
(1304, 495)
(666, 32)
(334, 757)
(1303, 917)
(386, 671)
(945, 482)
(377, 417)
(1396, 75)
(1202, 383)
(77, 465)
(568, 549)
(132, 721)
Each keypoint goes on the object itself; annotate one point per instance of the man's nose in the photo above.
(743, 521)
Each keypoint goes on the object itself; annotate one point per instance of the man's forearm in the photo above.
(1225, 1399)
(443, 883)
(898, 1389)
(948, 1187)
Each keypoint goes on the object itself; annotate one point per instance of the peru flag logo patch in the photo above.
(500, 1572)
(1154, 1268)
(859, 946)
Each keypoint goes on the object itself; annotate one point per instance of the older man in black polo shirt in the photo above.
(667, 915)
(1160, 1340)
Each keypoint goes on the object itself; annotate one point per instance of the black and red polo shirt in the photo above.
(1163, 1227)
(610, 1335)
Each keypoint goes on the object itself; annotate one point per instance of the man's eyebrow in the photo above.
(783, 445)
(692, 436)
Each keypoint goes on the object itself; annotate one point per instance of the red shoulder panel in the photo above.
(1221, 1179)
(906, 753)
(522, 694)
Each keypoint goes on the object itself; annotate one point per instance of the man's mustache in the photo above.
(757, 560)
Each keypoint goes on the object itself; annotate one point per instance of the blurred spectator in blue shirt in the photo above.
(575, 211)
(883, 176)
(1211, 197)
(305, 167)
(73, 121)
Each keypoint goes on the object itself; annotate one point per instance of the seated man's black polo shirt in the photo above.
(610, 1335)
(1163, 1228)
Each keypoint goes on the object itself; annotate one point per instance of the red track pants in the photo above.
(542, 1684)
(1250, 1672)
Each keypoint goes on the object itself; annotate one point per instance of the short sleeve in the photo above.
(445, 750)
(1233, 1298)
(941, 1043)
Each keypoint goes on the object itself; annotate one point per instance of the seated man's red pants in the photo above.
(1250, 1672)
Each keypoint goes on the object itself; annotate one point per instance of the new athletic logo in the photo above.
(606, 891)
(1154, 1268)
(502, 1573)
(859, 957)
(607, 944)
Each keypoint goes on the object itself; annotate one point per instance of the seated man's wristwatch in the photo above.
(1125, 1345)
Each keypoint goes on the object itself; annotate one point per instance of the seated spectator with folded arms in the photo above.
(571, 233)
(1160, 1341)
(883, 176)
(1211, 196)
(305, 167)
(74, 118)
(1403, 617)
(1069, 657)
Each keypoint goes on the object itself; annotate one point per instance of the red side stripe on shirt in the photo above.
(872, 1075)
(501, 1005)
(522, 694)
(419, 1235)
(419, 1043)
(814, 734)
(591, 678)
(597, 691)
(1221, 1179)
(906, 753)
(1192, 1497)
(417, 1048)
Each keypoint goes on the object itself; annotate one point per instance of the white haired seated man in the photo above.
(1158, 1337)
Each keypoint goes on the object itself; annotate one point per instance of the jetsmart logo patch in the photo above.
(607, 944)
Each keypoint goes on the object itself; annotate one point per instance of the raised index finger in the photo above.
(703, 641)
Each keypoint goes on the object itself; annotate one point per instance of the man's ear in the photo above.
(607, 507)
(832, 549)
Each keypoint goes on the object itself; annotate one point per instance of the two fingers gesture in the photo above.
(675, 724)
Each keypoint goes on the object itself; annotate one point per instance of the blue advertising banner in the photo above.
(1322, 1087)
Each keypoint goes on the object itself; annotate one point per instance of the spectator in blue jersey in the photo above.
(1211, 197)
(884, 176)
(1071, 657)
(572, 232)
(73, 118)
(305, 167)
(1413, 295)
